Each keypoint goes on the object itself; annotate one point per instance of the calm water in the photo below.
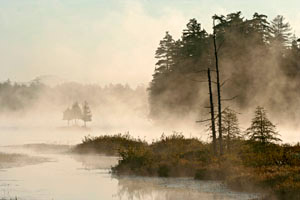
(69, 177)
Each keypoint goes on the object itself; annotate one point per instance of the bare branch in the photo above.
(230, 99)
(223, 83)
(200, 71)
(232, 110)
(199, 81)
(201, 121)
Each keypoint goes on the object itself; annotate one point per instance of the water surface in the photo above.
(74, 177)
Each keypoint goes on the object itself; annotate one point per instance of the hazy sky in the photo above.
(103, 41)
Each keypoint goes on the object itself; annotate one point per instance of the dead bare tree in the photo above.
(218, 89)
(212, 113)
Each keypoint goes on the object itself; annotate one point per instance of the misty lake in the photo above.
(74, 177)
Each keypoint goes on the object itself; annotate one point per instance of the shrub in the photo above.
(163, 170)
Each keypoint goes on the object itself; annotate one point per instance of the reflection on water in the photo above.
(70, 177)
(175, 189)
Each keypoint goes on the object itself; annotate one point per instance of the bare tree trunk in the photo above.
(212, 112)
(219, 91)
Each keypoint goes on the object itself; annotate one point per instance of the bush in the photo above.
(163, 171)
(107, 144)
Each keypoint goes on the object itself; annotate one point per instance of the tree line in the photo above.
(27, 97)
(246, 49)
(256, 55)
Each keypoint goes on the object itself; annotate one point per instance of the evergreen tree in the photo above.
(243, 46)
(86, 113)
(194, 46)
(230, 126)
(281, 32)
(290, 63)
(165, 54)
(259, 28)
(67, 115)
(262, 129)
(76, 112)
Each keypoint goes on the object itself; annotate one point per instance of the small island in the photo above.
(77, 112)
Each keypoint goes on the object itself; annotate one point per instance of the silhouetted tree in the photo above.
(86, 113)
(240, 44)
(218, 88)
(165, 54)
(76, 112)
(259, 29)
(212, 113)
(230, 126)
(67, 115)
(281, 32)
(193, 41)
(262, 129)
(173, 81)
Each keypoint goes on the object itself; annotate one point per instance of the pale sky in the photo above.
(104, 41)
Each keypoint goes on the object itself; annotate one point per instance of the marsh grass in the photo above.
(107, 144)
(248, 166)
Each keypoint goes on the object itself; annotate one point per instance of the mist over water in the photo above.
(115, 109)
(74, 177)
(61, 176)
(43, 119)
(34, 113)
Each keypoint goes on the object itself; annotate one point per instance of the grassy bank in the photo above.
(245, 166)
(109, 145)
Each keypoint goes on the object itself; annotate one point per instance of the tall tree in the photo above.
(262, 129)
(165, 54)
(259, 29)
(194, 45)
(218, 89)
(86, 113)
(158, 86)
(212, 113)
(281, 32)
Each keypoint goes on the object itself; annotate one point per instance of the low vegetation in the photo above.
(9, 198)
(252, 161)
(108, 145)
(249, 166)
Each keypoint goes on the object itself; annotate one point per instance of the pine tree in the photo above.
(262, 129)
(76, 112)
(67, 115)
(194, 45)
(86, 113)
(165, 54)
(281, 32)
(230, 126)
(259, 28)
